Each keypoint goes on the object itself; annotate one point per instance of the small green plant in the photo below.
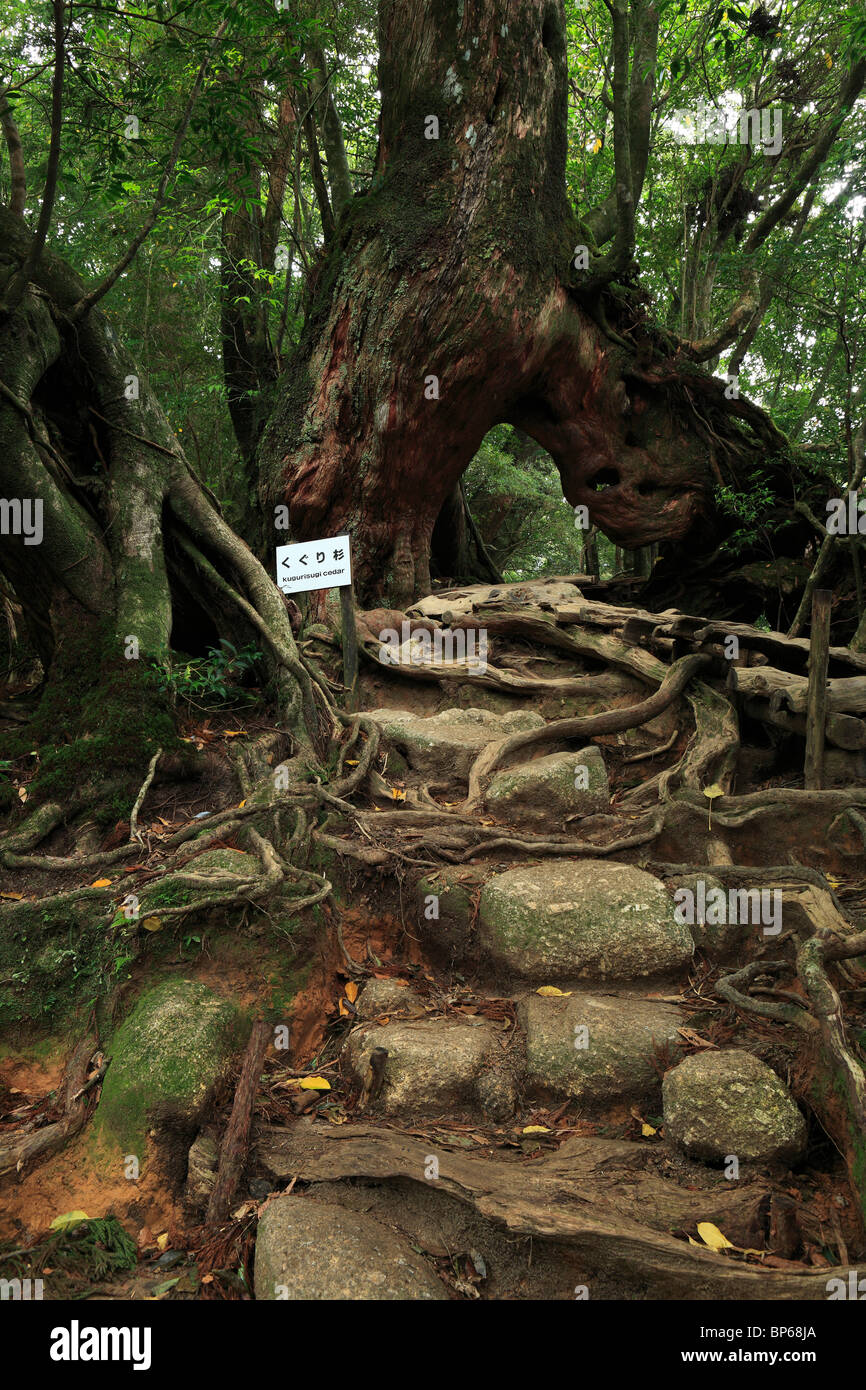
(751, 508)
(94, 1248)
(212, 679)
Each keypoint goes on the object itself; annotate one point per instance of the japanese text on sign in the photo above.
(308, 565)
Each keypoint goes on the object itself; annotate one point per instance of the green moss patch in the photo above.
(167, 1059)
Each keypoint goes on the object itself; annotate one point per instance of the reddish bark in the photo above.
(233, 1150)
(458, 265)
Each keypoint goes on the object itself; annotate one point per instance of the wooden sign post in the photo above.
(816, 698)
(326, 564)
(350, 645)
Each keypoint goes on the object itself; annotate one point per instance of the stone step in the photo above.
(557, 921)
(311, 1250)
(444, 746)
(719, 1105)
(598, 1048)
(545, 793)
(438, 1066)
(593, 1048)
(581, 919)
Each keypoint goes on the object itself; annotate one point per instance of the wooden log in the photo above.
(786, 690)
(845, 695)
(781, 688)
(233, 1150)
(696, 632)
(585, 1196)
(18, 1150)
(842, 730)
(816, 704)
(349, 633)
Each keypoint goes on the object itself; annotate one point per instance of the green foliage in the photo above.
(515, 496)
(95, 1248)
(751, 507)
(213, 679)
(698, 204)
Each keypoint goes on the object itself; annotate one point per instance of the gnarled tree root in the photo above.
(569, 1197)
(74, 1097)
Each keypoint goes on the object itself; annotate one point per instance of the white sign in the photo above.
(314, 565)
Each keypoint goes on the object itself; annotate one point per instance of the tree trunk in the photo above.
(457, 549)
(129, 538)
(450, 303)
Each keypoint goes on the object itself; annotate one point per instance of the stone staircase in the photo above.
(558, 984)
(591, 954)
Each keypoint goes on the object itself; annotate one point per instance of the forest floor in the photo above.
(512, 1071)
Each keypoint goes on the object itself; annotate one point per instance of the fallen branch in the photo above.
(233, 1150)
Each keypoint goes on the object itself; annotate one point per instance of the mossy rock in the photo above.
(224, 861)
(167, 1059)
(313, 1251)
(172, 891)
(445, 745)
(718, 1104)
(591, 919)
(446, 907)
(551, 788)
(614, 1057)
(436, 1066)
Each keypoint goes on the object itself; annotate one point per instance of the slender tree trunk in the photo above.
(458, 551)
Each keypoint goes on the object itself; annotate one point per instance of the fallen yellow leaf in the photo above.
(711, 792)
(552, 992)
(162, 1241)
(314, 1083)
(152, 923)
(712, 1236)
(351, 991)
(69, 1218)
(647, 1130)
(535, 1129)
(101, 883)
